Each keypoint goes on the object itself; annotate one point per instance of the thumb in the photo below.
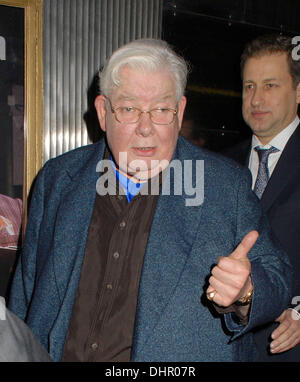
(241, 251)
(281, 317)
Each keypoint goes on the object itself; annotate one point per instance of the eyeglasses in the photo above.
(129, 114)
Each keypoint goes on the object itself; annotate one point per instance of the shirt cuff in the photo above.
(242, 318)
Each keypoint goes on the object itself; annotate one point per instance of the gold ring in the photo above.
(211, 295)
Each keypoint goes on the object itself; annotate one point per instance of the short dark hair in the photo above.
(272, 44)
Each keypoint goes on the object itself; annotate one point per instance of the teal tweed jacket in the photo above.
(174, 320)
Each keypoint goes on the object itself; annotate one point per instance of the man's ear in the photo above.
(181, 108)
(100, 106)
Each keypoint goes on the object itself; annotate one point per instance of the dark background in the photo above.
(211, 35)
(11, 73)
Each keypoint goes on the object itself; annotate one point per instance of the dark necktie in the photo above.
(263, 170)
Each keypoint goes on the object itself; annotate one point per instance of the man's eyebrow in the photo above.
(271, 79)
(167, 96)
(127, 97)
(266, 80)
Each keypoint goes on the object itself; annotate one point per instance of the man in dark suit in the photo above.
(116, 267)
(271, 94)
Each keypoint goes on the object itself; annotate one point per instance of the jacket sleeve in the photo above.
(271, 271)
(24, 277)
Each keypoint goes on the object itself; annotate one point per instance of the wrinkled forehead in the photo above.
(139, 82)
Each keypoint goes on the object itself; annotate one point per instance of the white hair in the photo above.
(144, 54)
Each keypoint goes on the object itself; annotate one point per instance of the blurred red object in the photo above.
(10, 221)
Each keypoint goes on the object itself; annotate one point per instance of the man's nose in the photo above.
(257, 97)
(145, 125)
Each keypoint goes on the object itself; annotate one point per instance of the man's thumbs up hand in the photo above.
(241, 251)
(230, 278)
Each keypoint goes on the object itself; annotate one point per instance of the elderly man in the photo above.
(123, 273)
(271, 94)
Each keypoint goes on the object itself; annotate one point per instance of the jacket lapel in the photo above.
(170, 241)
(72, 224)
(284, 172)
(73, 218)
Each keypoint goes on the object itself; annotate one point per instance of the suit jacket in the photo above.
(281, 203)
(174, 321)
(17, 342)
